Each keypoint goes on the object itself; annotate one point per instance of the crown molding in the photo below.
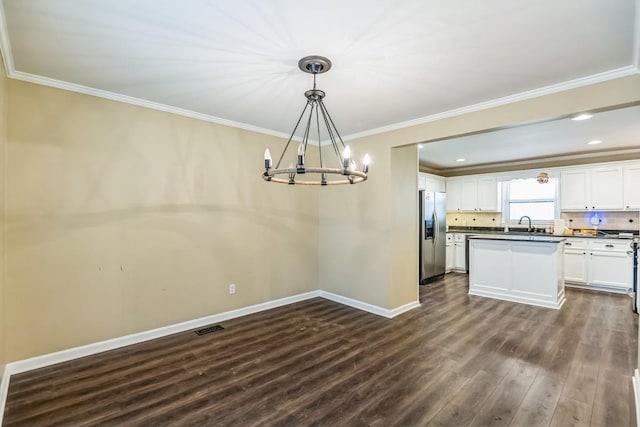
(7, 56)
(5, 46)
(11, 72)
(547, 90)
(5, 50)
(59, 84)
(531, 163)
(636, 39)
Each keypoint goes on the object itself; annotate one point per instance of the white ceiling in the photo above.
(394, 62)
(619, 131)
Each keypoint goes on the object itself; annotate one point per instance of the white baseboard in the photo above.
(515, 298)
(404, 308)
(369, 307)
(600, 288)
(4, 389)
(636, 394)
(99, 347)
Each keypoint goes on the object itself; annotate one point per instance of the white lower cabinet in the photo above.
(456, 252)
(601, 264)
(575, 261)
(449, 253)
(611, 265)
(460, 252)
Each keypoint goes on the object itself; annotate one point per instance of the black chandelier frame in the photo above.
(316, 113)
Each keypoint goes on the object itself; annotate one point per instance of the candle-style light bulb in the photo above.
(365, 163)
(292, 175)
(301, 155)
(267, 159)
(346, 157)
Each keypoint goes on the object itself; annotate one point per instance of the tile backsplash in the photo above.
(474, 219)
(608, 220)
(576, 220)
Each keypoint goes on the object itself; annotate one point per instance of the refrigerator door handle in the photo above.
(436, 233)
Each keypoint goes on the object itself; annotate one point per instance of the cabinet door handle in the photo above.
(609, 246)
(584, 253)
(567, 244)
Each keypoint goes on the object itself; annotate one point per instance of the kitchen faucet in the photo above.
(520, 222)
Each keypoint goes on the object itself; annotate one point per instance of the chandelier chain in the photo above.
(319, 145)
(291, 137)
(329, 124)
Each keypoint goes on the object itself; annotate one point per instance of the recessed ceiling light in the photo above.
(584, 116)
(459, 160)
(594, 142)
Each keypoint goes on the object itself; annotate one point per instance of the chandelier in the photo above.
(315, 112)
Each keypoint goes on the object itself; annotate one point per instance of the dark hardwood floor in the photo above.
(457, 360)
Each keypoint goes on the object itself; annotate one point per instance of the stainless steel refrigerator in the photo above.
(433, 211)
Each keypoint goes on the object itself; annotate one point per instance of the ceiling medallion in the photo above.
(339, 154)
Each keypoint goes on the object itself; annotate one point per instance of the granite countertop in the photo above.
(519, 238)
(603, 234)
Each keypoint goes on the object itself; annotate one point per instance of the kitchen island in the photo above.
(524, 269)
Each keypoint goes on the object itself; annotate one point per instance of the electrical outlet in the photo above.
(232, 288)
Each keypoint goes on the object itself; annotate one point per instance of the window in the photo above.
(528, 197)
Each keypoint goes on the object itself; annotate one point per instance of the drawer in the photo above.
(460, 238)
(577, 244)
(609, 245)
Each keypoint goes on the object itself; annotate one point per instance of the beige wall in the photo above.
(359, 239)
(123, 219)
(404, 226)
(3, 137)
(368, 233)
(352, 219)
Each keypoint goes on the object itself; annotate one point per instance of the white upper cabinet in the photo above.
(473, 194)
(631, 188)
(488, 194)
(453, 195)
(430, 182)
(606, 188)
(591, 189)
(422, 181)
(469, 194)
(573, 190)
(440, 186)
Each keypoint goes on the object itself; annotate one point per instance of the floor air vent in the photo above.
(209, 329)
